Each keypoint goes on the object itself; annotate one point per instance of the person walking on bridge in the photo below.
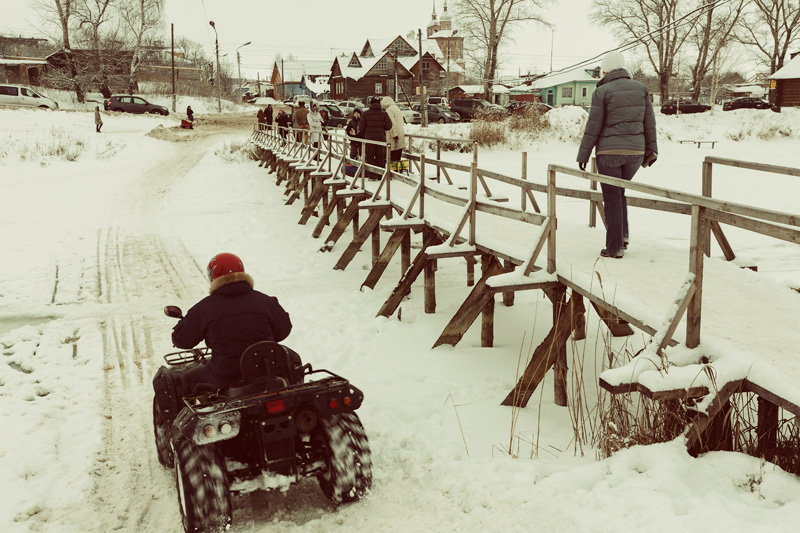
(622, 131)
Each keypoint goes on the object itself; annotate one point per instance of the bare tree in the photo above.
(91, 14)
(486, 23)
(60, 13)
(771, 27)
(141, 17)
(654, 22)
(710, 35)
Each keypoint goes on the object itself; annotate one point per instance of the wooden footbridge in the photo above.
(454, 208)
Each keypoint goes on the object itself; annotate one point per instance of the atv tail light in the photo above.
(346, 400)
(209, 431)
(275, 406)
(333, 404)
(225, 428)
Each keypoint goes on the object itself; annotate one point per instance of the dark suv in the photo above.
(133, 104)
(671, 107)
(746, 103)
(336, 118)
(468, 108)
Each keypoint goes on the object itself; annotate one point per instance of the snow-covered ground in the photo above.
(100, 231)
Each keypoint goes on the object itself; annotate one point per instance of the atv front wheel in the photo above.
(161, 430)
(348, 475)
(203, 487)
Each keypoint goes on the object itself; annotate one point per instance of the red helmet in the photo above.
(222, 264)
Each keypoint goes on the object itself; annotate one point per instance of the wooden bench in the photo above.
(712, 143)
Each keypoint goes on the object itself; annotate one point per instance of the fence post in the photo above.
(696, 246)
(593, 205)
(473, 191)
(438, 158)
(388, 172)
(524, 204)
(706, 191)
(421, 199)
(363, 165)
(551, 215)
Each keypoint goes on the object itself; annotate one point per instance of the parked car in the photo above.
(22, 96)
(438, 113)
(349, 106)
(515, 107)
(747, 103)
(133, 104)
(438, 100)
(468, 108)
(409, 115)
(670, 107)
(336, 118)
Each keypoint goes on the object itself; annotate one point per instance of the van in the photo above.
(20, 95)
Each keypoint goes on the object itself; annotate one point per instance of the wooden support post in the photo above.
(524, 175)
(405, 251)
(696, 248)
(324, 220)
(487, 315)
(376, 242)
(371, 225)
(617, 326)
(545, 355)
(559, 299)
(438, 158)
(317, 193)
(409, 276)
(429, 237)
(470, 270)
(396, 241)
(473, 306)
(711, 431)
(579, 331)
(350, 214)
(706, 191)
(508, 296)
(551, 214)
(767, 432)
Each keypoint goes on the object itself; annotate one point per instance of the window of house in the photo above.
(383, 64)
(378, 88)
(566, 92)
(584, 92)
(426, 65)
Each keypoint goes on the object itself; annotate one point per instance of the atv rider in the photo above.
(233, 317)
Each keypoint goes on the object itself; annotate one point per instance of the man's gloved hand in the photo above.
(649, 159)
(582, 166)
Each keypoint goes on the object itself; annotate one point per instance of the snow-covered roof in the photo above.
(356, 73)
(22, 61)
(293, 71)
(558, 78)
(789, 71)
(443, 34)
(470, 89)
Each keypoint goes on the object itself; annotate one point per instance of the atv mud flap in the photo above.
(278, 437)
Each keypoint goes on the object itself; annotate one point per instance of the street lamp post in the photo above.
(239, 66)
(447, 79)
(217, 77)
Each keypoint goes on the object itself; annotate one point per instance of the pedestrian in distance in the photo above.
(352, 132)
(396, 137)
(262, 119)
(622, 131)
(373, 126)
(268, 116)
(189, 114)
(314, 125)
(283, 121)
(326, 120)
(301, 121)
(98, 120)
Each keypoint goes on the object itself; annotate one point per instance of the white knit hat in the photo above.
(612, 61)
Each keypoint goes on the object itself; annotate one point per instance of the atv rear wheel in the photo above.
(203, 487)
(348, 475)
(161, 430)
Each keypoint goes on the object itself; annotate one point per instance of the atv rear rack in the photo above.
(195, 355)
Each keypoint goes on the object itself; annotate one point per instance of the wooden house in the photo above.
(573, 87)
(785, 84)
(296, 77)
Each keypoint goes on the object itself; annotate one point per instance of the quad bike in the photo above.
(283, 421)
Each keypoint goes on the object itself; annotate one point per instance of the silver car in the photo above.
(348, 107)
(19, 95)
(409, 115)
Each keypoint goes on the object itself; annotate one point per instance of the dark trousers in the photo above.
(615, 205)
(98, 126)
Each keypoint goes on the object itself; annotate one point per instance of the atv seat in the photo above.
(267, 366)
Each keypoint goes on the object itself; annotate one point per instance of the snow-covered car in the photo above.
(747, 103)
(19, 95)
(127, 103)
(409, 115)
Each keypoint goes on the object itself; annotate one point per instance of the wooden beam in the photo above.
(429, 237)
(364, 232)
(674, 394)
(767, 429)
(395, 242)
(680, 306)
(711, 430)
(617, 325)
(487, 315)
(696, 247)
(544, 356)
(350, 215)
(404, 285)
(473, 306)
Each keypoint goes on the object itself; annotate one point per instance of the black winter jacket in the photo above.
(621, 117)
(374, 123)
(282, 120)
(230, 319)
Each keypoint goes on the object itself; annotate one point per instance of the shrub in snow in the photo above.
(235, 151)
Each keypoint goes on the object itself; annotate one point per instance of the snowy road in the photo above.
(100, 246)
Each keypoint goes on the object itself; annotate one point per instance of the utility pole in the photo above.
(447, 79)
(172, 32)
(239, 66)
(421, 86)
(217, 77)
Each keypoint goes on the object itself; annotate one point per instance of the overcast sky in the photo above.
(321, 29)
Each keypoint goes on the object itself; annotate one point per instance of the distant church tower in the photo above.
(446, 21)
(433, 25)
